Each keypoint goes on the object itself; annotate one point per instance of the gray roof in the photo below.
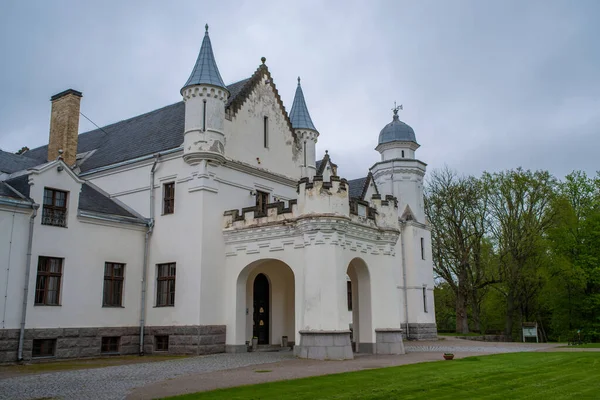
(356, 187)
(20, 184)
(299, 115)
(10, 162)
(397, 131)
(92, 200)
(5, 191)
(205, 71)
(146, 134)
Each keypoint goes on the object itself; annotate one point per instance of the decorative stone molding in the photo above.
(205, 91)
(324, 345)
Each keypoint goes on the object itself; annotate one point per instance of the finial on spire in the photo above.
(206, 28)
(396, 108)
(326, 152)
(298, 81)
(263, 59)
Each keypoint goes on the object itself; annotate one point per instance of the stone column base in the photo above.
(324, 345)
(389, 341)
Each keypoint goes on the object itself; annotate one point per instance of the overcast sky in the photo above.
(486, 85)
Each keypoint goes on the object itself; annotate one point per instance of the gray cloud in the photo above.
(486, 85)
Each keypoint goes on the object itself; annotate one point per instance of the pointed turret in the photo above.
(205, 70)
(299, 115)
(305, 131)
(205, 96)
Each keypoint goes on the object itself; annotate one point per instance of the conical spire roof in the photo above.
(299, 115)
(205, 71)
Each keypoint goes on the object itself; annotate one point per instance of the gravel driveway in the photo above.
(115, 382)
(118, 381)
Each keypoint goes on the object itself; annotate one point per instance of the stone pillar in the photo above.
(389, 341)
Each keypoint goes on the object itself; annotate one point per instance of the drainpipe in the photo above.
(146, 252)
(403, 226)
(26, 286)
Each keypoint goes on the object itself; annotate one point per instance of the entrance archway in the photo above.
(359, 301)
(266, 284)
(260, 320)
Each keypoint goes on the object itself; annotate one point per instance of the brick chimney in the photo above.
(64, 126)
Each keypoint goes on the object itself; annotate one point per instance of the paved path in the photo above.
(165, 378)
(115, 382)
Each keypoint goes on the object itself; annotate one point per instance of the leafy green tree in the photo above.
(456, 208)
(520, 213)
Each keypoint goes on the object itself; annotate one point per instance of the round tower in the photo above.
(399, 173)
(205, 96)
(305, 131)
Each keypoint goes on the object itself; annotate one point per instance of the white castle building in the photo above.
(199, 226)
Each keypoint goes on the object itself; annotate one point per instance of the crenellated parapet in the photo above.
(250, 216)
(320, 199)
(386, 211)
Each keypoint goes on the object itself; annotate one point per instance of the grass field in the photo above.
(503, 376)
(584, 346)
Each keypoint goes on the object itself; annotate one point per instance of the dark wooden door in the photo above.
(261, 309)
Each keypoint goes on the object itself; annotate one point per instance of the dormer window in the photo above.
(55, 208)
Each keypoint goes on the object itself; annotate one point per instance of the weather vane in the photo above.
(396, 108)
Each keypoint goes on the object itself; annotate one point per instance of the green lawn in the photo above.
(584, 346)
(503, 376)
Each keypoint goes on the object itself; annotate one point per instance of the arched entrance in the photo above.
(263, 305)
(260, 320)
(359, 305)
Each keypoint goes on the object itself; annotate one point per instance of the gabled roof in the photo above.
(20, 184)
(8, 191)
(360, 186)
(143, 135)
(10, 162)
(90, 199)
(205, 70)
(146, 134)
(322, 164)
(244, 88)
(299, 114)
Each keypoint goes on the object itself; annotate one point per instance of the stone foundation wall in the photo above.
(422, 331)
(389, 341)
(87, 342)
(193, 339)
(324, 345)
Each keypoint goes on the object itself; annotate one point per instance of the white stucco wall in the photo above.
(14, 234)
(85, 246)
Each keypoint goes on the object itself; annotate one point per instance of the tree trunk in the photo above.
(510, 307)
(476, 312)
(462, 323)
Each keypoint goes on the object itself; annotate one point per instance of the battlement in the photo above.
(253, 215)
(318, 198)
(335, 184)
